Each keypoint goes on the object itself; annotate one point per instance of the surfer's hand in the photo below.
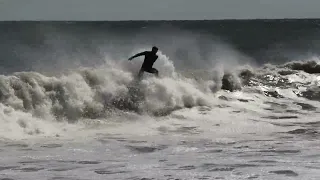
(129, 59)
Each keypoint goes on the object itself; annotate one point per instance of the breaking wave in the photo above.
(101, 93)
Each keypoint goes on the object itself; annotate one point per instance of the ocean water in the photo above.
(236, 99)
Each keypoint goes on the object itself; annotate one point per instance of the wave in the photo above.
(311, 67)
(29, 100)
(99, 92)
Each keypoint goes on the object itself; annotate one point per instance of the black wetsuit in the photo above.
(149, 58)
(148, 62)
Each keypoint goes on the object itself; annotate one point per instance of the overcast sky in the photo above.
(156, 9)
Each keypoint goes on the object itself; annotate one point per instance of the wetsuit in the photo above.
(149, 58)
(148, 62)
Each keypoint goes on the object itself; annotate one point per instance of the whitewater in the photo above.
(235, 119)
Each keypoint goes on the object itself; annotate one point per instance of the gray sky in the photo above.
(156, 9)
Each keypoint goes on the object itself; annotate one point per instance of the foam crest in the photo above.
(21, 125)
(173, 93)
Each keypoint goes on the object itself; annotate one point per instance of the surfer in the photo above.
(149, 58)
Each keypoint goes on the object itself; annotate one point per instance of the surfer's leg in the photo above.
(155, 71)
(152, 71)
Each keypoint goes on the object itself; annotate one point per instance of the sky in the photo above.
(113, 10)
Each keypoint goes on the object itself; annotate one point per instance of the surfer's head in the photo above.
(154, 49)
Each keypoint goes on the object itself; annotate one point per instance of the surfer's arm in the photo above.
(137, 55)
